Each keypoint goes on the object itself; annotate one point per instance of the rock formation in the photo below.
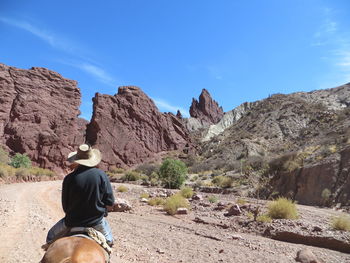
(38, 115)
(206, 109)
(228, 119)
(129, 129)
(308, 185)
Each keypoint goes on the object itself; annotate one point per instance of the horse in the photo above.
(75, 249)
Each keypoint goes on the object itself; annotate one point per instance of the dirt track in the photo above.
(28, 210)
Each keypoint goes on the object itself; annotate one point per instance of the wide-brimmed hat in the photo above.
(86, 156)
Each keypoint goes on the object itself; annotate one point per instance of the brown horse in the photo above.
(74, 249)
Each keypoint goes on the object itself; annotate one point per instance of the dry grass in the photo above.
(282, 208)
(186, 192)
(341, 223)
(174, 202)
(122, 189)
(156, 201)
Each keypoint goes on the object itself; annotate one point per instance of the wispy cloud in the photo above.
(336, 46)
(96, 71)
(60, 43)
(165, 106)
(50, 38)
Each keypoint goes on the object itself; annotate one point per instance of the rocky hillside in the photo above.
(301, 140)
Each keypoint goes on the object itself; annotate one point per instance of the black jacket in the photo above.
(85, 194)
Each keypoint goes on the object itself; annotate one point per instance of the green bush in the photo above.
(122, 189)
(172, 173)
(156, 201)
(186, 192)
(131, 176)
(282, 208)
(341, 223)
(174, 202)
(20, 161)
(212, 199)
(4, 156)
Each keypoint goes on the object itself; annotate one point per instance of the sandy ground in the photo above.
(146, 234)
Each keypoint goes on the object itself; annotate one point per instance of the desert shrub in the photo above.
(326, 194)
(241, 201)
(4, 156)
(154, 182)
(341, 223)
(147, 169)
(282, 208)
(116, 170)
(131, 176)
(20, 161)
(122, 188)
(144, 195)
(222, 181)
(212, 199)
(3, 172)
(37, 171)
(172, 173)
(264, 218)
(186, 192)
(22, 173)
(174, 202)
(156, 201)
(250, 215)
(194, 178)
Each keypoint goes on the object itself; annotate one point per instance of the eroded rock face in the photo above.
(129, 129)
(308, 184)
(206, 109)
(38, 115)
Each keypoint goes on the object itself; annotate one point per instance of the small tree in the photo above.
(21, 161)
(172, 173)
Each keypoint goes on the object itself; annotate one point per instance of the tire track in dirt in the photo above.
(31, 209)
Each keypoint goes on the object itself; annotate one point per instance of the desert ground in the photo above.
(148, 234)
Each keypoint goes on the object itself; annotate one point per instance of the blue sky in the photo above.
(238, 50)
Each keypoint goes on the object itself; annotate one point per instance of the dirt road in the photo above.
(28, 210)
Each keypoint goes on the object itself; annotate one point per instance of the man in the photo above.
(86, 193)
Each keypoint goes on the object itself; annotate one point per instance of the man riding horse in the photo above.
(86, 193)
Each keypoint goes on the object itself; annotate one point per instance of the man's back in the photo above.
(85, 194)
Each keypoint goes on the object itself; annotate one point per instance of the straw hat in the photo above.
(85, 155)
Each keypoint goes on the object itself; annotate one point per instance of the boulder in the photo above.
(182, 211)
(306, 256)
(120, 205)
(234, 211)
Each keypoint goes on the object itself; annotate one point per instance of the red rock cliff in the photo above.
(129, 129)
(39, 115)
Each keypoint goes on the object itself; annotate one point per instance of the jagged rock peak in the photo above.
(206, 109)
